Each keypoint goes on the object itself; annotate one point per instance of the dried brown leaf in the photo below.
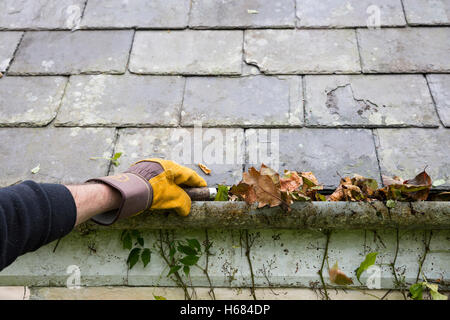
(266, 191)
(338, 277)
(291, 181)
(265, 170)
(204, 168)
(244, 192)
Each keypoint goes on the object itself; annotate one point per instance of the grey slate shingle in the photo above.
(247, 101)
(9, 41)
(350, 13)
(65, 52)
(328, 153)
(302, 51)
(30, 101)
(33, 14)
(187, 52)
(423, 12)
(185, 147)
(440, 89)
(242, 14)
(121, 100)
(410, 50)
(406, 152)
(369, 100)
(136, 13)
(62, 153)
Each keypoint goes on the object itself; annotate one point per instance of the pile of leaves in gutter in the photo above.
(267, 188)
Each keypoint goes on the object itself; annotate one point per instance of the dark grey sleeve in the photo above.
(32, 215)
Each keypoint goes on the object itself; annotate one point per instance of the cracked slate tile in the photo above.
(328, 153)
(65, 52)
(47, 14)
(9, 40)
(410, 50)
(369, 100)
(121, 100)
(242, 14)
(440, 89)
(187, 52)
(30, 101)
(136, 13)
(188, 147)
(246, 102)
(422, 12)
(302, 51)
(62, 154)
(406, 152)
(351, 13)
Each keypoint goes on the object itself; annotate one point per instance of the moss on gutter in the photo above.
(424, 215)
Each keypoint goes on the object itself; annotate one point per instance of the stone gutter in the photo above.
(424, 215)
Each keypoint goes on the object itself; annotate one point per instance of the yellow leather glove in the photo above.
(151, 183)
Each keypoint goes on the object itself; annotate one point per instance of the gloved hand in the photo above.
(150, 183)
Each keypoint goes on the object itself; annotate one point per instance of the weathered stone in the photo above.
(420, 12)
(47, 14)
(136, 13)
(63, 155)
(286, 258)
(440, 89)
(369, 100)
(30, 100)
(315, 215)
(352, 13)
(187, 52)
(222, 150)
(124, 100)
(8, 44)
(242, 14)
(328, 153)
(302, 51)
(405, 50)
(247, 101)
(64, 52)
(406, 152)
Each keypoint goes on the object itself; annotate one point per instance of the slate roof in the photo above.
(339, 93)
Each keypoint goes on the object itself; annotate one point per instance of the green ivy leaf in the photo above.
(135, 233)
(173, 270)
(159, 297)
(140, 240)
(416, 291)
(368, 261)
(133, 257)
(116, 155)
(391, 204)
(222, 193)
(127, 241)
(320, 197)
(187, 250)
(189, 260)
(145, 256)
(186, 270)
(434, 292)
(438, 296)
(172, 252)
(193, 243)
(36, 169)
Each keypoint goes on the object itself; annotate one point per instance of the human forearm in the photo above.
(92, 199)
